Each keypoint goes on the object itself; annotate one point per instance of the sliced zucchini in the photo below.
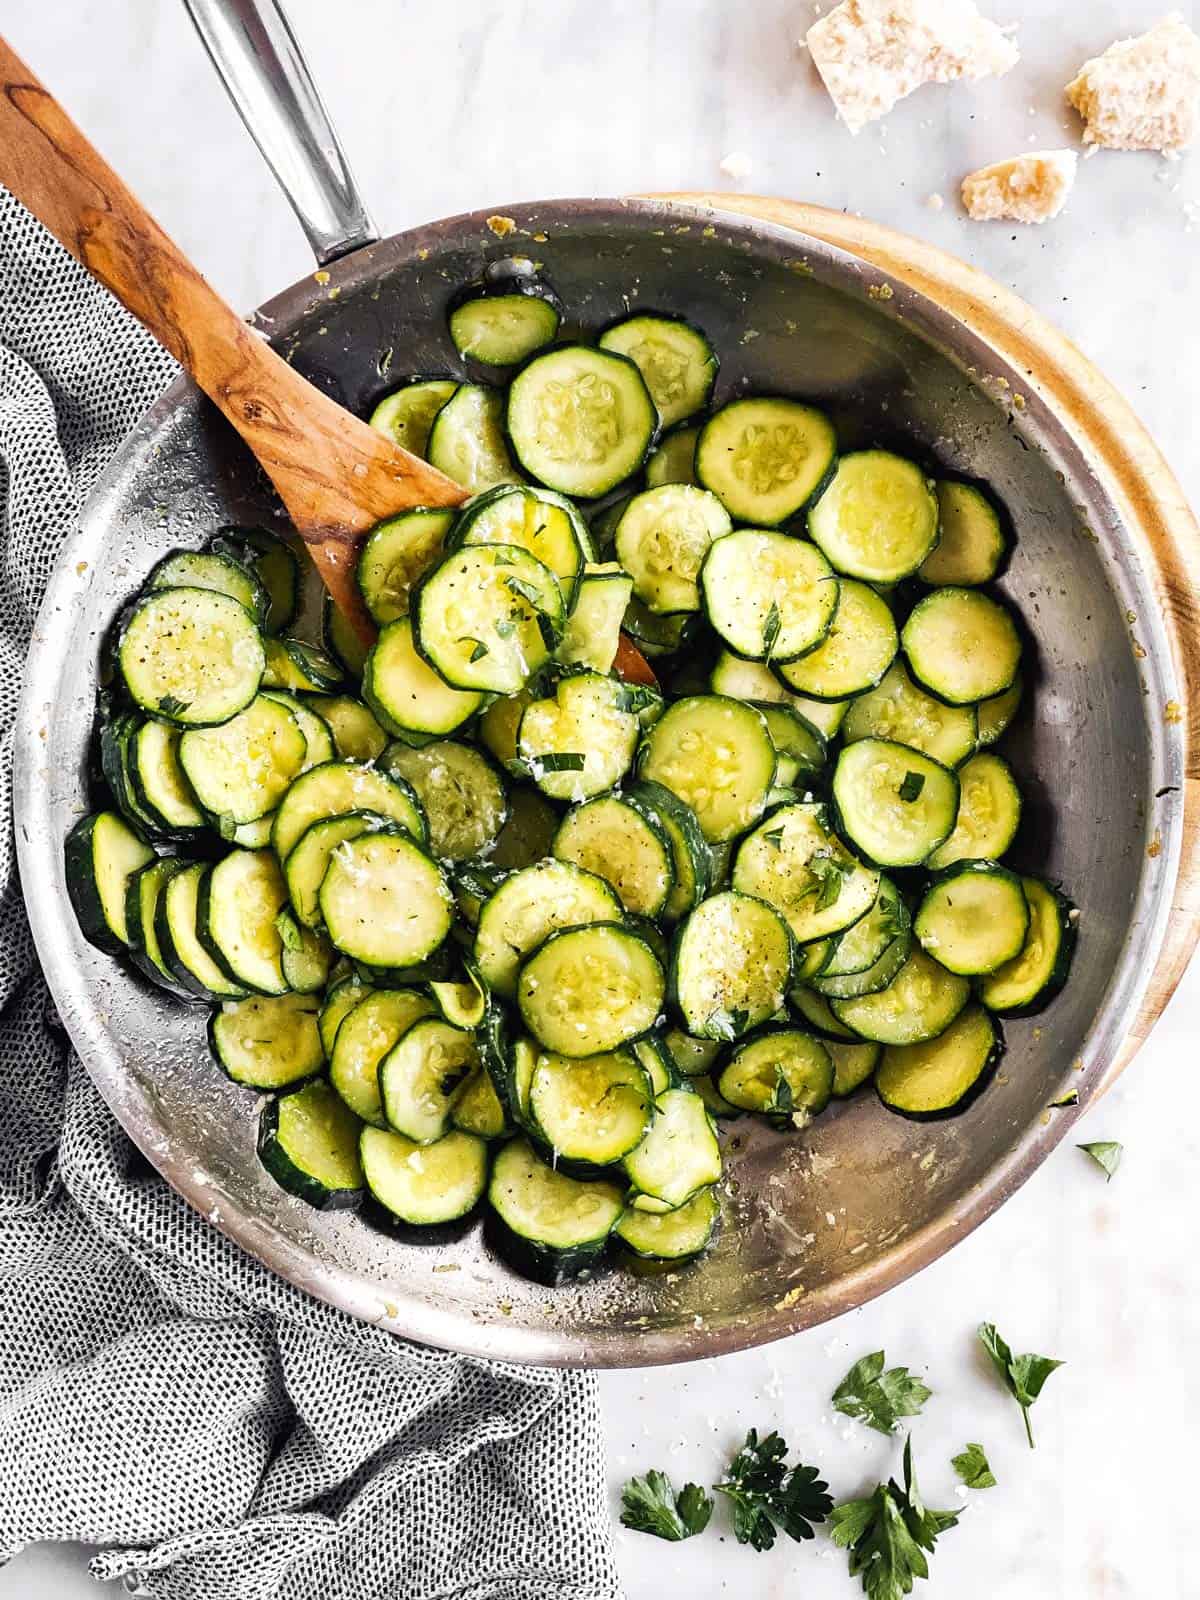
(186, 957)
(142, 895)
(237, 918)
(340, 1001)
(242, 769)
(308, 859)
(342, 639)
(208, 569)
(921, 1001)
(674, 461)
(466, 439)
(693, 1057)
(479, 1109)
(732, 967)
(307, 956)
(715, 1101)
(397, 553)
(422, 1076)
(406, 415)
(989, 813)
(765, 458)
(308, 1142)
(656, 635)
(657, 1063)
(962, 644)
(102, 854)
(1025, 984)
(894, 803)
(662, 540)
(191, 656)
(678, 1156)
(384, 901)
(814, 1008)
(548, 1226)
(877, 518)
(406, 694)
(356, 734)
(941, 1076)
(591, 1111)
(527, 907)
(424, 1185)
(675, 1236)
(461, 792)
(267, 1041)
(812, 958)
(717, 756)
(537, 520)
(974, 918)
(461, 1001)
(502, 329)
(150, 768)
(582, 741)
(795, 863)
(746, 680)
(337, 788)
(856, 652)
(254, 835)
(580, 420)
(826, 716)
(691, 859)
(500, 722)
(528, 834)
(799, 748)
(602, 523)
(853, 1064)
(623, 843)
(587, 990)
(972, 544)
(318, 739)
(858, 950)
(299, 667)
(593, 633)
(900, 711)
(273, 563)
(676, 360)
(994, 715)
(488, 617)
(780, 1071)
(769, 595)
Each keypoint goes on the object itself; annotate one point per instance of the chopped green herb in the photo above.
(774, 837)
(887, 1534)
(518, 586)
(650, 1505)
(782, 1102)
(828, 873)
(560, 761)
(768, 1495)
(227, 827)
(877, 1397)
(727, 1024)
(1023, 1376)
(1071, 1098)
(171, 706)
(910, 789)
(1106, 1154)
(770, 635)
(480, 649)
(972, 1467)
(504, 629)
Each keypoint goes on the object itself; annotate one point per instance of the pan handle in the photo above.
(256, 55)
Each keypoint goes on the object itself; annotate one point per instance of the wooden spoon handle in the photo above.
(336, 476)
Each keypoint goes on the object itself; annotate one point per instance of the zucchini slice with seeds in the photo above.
(894, 803)
(587, 990)
(580, 420)
(675, 1236)
(422, 1075)
(461, 792)
(765, 458)
(296, 666)
(675, 359)
(466, 439)
(662, 540)
(406, 415)
(989, 813)
(854, 655)
(580, 742)
(503, 329)
(179, 943)
(678, 1156)
(406, 694)
(548, 1226)
(623, 843)
(921, 1001)
(318, 739)
(974, 918)
(209, 569)
(898, 710)
(780, 1071)
(267, 1041)
(339, 787)
(592, 1111)
(308, 859)
(396, 555)
(237, 918)
(1026, 983)
(770, 596)
(191, 656)
(242, 769)
(527, 907)
(487, 618)
(941, 1076)
(962, 645)
(717, 756)
(732, 966)
(102, 854)
(424, 1185)
(384, 901)
(307, 957)
(877, 518)
(545, 524)
(308, 1142)
(794, 862)
(971, 543)
(691, 859)
(356, 734)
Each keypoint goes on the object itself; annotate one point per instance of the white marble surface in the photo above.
(477, 103)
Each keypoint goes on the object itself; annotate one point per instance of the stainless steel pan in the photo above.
(815, 1224)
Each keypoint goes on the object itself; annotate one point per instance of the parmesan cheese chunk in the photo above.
(871, 53)
(1143, 93)
(1029, 188)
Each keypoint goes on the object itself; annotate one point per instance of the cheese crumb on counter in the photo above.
(737, 165)
(1031, 188)
(1143, 93)
(872, 53)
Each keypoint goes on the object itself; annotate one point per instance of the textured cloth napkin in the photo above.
(223, 1435)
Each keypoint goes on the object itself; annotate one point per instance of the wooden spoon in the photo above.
(336, 476)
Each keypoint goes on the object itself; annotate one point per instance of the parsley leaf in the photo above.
(887, 1533)
(526, 591)
(879, 1398)
(480, 649)
(973, 1468)
(774, 837)
(768, 1495)
(828, 873)
(1023, 1376)
(171, 706)
(560, 761)
(770, 633)
(782, 1102)
(727, 1024)
(910, 789)
(1106, 1154)
(650, 1505)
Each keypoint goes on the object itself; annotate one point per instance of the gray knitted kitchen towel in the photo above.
(223, 1435)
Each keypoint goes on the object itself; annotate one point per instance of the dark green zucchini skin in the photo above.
(1061, 969)
(137, 951)
(495, 1051)
(81, 885)
(964, 1101)
(436, 968)
(540, 1262)
(115, 732)
(378, 1217)
(291, 1177)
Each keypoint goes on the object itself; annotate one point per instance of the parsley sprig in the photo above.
(767, 1495)
(879, 1397)
(650, 1505)
(888, 1533)
(1023, 1376)
(973, 1467)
